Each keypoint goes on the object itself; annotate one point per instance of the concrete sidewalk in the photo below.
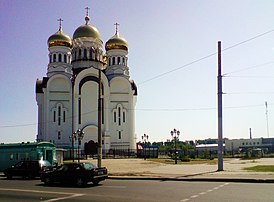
(145, 169)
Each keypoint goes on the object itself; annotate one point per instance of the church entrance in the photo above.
(91, 148)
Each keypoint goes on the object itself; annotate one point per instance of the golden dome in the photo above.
(86, 31)
(60, 38)
(116, 42)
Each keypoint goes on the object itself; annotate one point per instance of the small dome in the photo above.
(59, 39)
(86, 31)
(116, 42)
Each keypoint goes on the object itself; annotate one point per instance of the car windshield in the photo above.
(88, 166)
(44, 163)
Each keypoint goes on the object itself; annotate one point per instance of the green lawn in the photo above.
(262, 168)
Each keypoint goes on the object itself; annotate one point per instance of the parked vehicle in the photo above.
(27, 169)
(10, 154)
(76, 173)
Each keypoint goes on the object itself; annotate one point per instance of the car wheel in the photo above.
(47, 181)
(80, 182)
(9, 176)
(30, 176)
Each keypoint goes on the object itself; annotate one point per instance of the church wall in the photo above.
(59, 116)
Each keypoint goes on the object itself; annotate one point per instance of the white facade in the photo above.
(67, 98)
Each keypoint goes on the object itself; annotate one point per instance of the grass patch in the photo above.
(262, 168)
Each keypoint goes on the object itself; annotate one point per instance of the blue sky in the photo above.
(164, 37)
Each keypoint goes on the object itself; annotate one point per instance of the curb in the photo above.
(247, 180)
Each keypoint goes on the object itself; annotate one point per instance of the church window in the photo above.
(79, 54)
(109, 61)
(59, 135)
(85, 54)
(119, 116)
(54, 116)
(124, 117)
(59, 115)
(54, 57)
(119, 135)
(90, 54)
(113, 61)
(114, 117)
(60, 57)
(119, 60)
(65, 58)
(64, 116)
(123, 61)
(50, 59)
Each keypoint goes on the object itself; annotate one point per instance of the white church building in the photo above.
(67, 97)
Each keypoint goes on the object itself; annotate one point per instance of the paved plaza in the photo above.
(233, 170)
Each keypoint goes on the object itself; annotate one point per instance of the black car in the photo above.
(27, 169)
(77, 173)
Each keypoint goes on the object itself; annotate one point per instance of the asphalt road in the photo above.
(136, 190)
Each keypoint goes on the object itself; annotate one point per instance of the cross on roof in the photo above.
(116, 28)
(60, 23)
(87, 8)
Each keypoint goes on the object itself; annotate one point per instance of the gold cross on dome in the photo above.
(116, 28)
(87, 8)
(60, 23)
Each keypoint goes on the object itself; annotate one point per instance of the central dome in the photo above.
(86, 31)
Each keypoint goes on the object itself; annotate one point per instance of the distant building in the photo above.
(67, 97)
(238, 145)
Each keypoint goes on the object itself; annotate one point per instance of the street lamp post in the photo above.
(145, 139)
(72, 138)
(80, 136)
(175, 134)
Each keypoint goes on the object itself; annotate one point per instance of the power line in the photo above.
(163, 74)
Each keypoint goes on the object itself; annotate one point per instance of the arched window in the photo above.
(54, 57)
(85, 54)
(123, 61)
(60, 57)
(119, 116)
(124, 117)
(79, 54)
(65, 58)
(109, 61)
(113, 60)
(50, 58)
(59, 115)
(119, 60)
(114, 117)
(90, 54)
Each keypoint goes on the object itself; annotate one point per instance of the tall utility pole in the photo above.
(99, 162)
(220, 111)
(266, 114)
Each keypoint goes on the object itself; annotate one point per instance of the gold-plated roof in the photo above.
(59, 38)
(86, 31)
(116, 42)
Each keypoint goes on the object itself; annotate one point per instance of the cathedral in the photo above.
(80, 76)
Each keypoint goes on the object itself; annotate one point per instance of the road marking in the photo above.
(203, 193)
(72, 195)
(63, 198)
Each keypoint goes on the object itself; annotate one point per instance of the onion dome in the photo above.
(86, 31)
(59, 38)
(116, 42)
